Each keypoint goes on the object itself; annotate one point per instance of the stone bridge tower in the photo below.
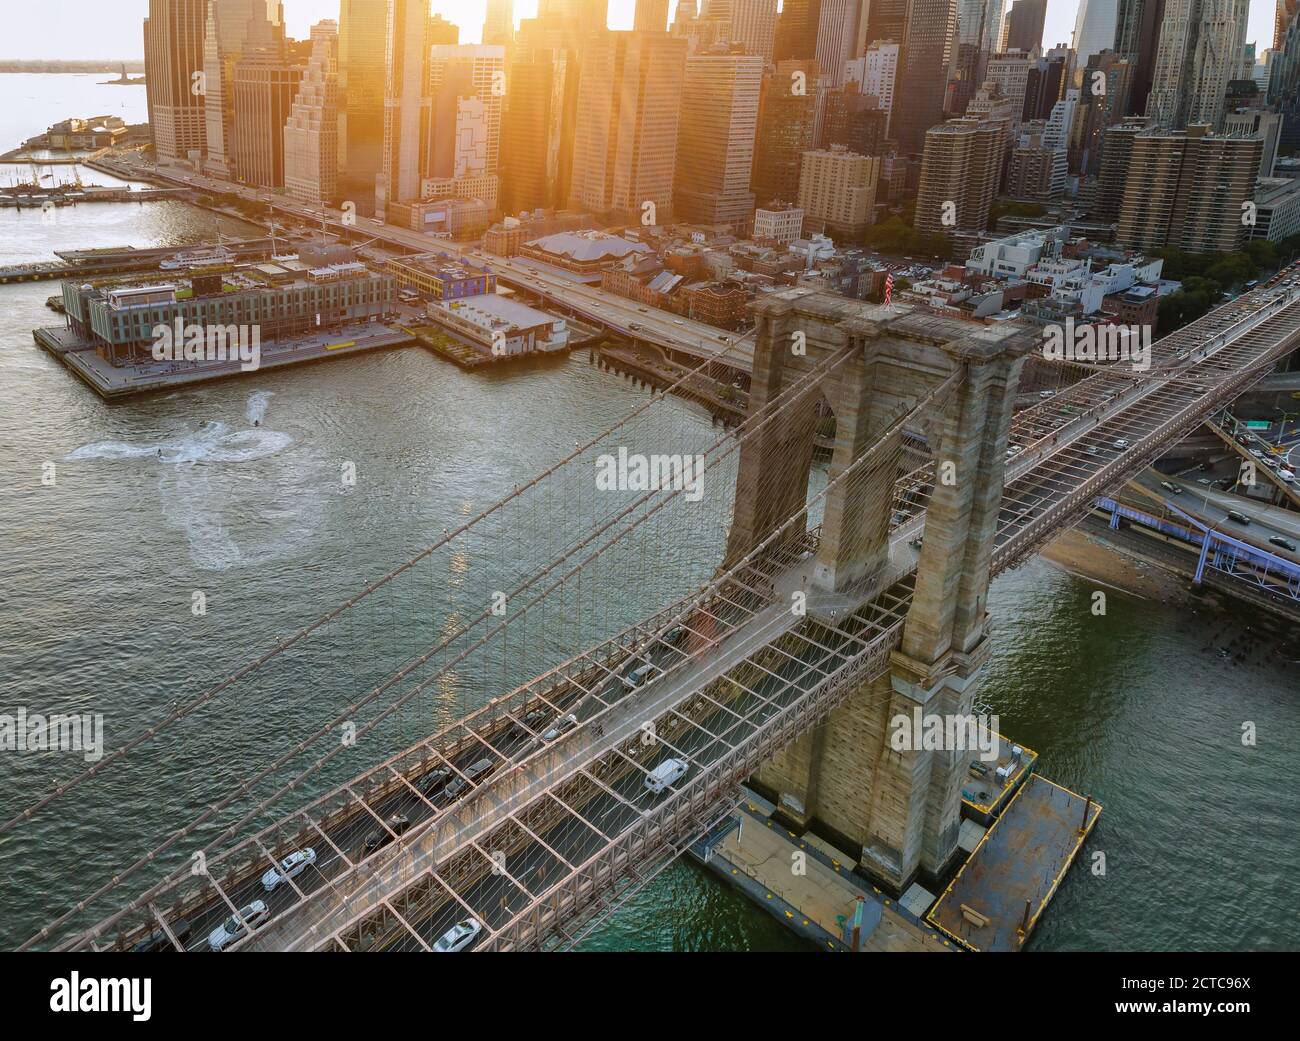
(898, 809)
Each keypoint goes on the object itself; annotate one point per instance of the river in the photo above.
(1137, 707)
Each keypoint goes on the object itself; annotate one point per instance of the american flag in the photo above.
(889, 286)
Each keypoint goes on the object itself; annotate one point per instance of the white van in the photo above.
(664, 775)
(638, 676)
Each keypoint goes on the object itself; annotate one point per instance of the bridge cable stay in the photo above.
(676, 493)
(505, 890)
(181, 711)
(728, 444)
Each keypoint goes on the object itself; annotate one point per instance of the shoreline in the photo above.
(1090, 559)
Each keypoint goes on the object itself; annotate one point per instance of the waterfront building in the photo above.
(503, 326)
(442, 276)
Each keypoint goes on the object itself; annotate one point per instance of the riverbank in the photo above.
(1088, 558)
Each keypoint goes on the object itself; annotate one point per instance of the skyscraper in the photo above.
(625, 148)
(1024, 25)
(1094, 29)
(787, 120)
(650, 16)
(499, 22)
(715, 139)
(173, 65)
(467, 84)
(875, 73)
(264, 83)
(363, 41)
(837, 22)
(407, 103)
(1137, 36)
(922, 77)
(234, 27)
(1200, 50)
(311, 138)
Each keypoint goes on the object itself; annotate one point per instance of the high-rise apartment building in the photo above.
(629, 104)
(1023, 29)
(787, 121)
(234, 27)
(467, 91)
(1186, 189)
(1010, 71)
(715, 138)
(1201, 48)
(837, 191)
(960, 173)
(173, 66)
(311, 133)
(363, 42)
(922, 74)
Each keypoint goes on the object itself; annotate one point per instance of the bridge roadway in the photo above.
(1069, 449)
(696, 339)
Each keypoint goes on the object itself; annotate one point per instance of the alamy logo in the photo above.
(1097, 342)
(921, 732)
(199, 342)
(35, 732)
(75, 994)
(634, 472)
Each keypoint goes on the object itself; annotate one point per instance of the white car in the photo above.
(1120, 443)
(561, 725)
(663, 776)
(458, 937)
(290, 867)
(232, 928)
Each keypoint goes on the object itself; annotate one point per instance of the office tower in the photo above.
(625, 146)
(233, 28)
(498, 23)
(1094, 29)
(837, 22)
(960, 172)
(311, 133)
(1137, 38)
(753, 26)
(1104, 100)
(173, 54)
(1024, 26)
(407, 104)
(1199, 52)
(715, 139)
(885, 20)
(264, 85)
(979, 28)
(1045, 83)
(854, 120)
(535, 136)
(650, 16)
(837, 191)
(927, 51)
(1010, 71)
(363, 41)
(1185, 189)
(584, 16)
(787, 119)
(874, 73)
(796, 31)
(467, 89)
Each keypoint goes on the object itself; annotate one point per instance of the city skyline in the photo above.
(90, 30)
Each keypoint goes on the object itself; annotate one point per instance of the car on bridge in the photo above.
(637, 676)
(480, 768)
(561, 725)
(1171, 488)
(1285, 543)
(1237, 517)
(381, 837)
(233, 928)
(458, 937)
(290, 867)
(663, 776)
